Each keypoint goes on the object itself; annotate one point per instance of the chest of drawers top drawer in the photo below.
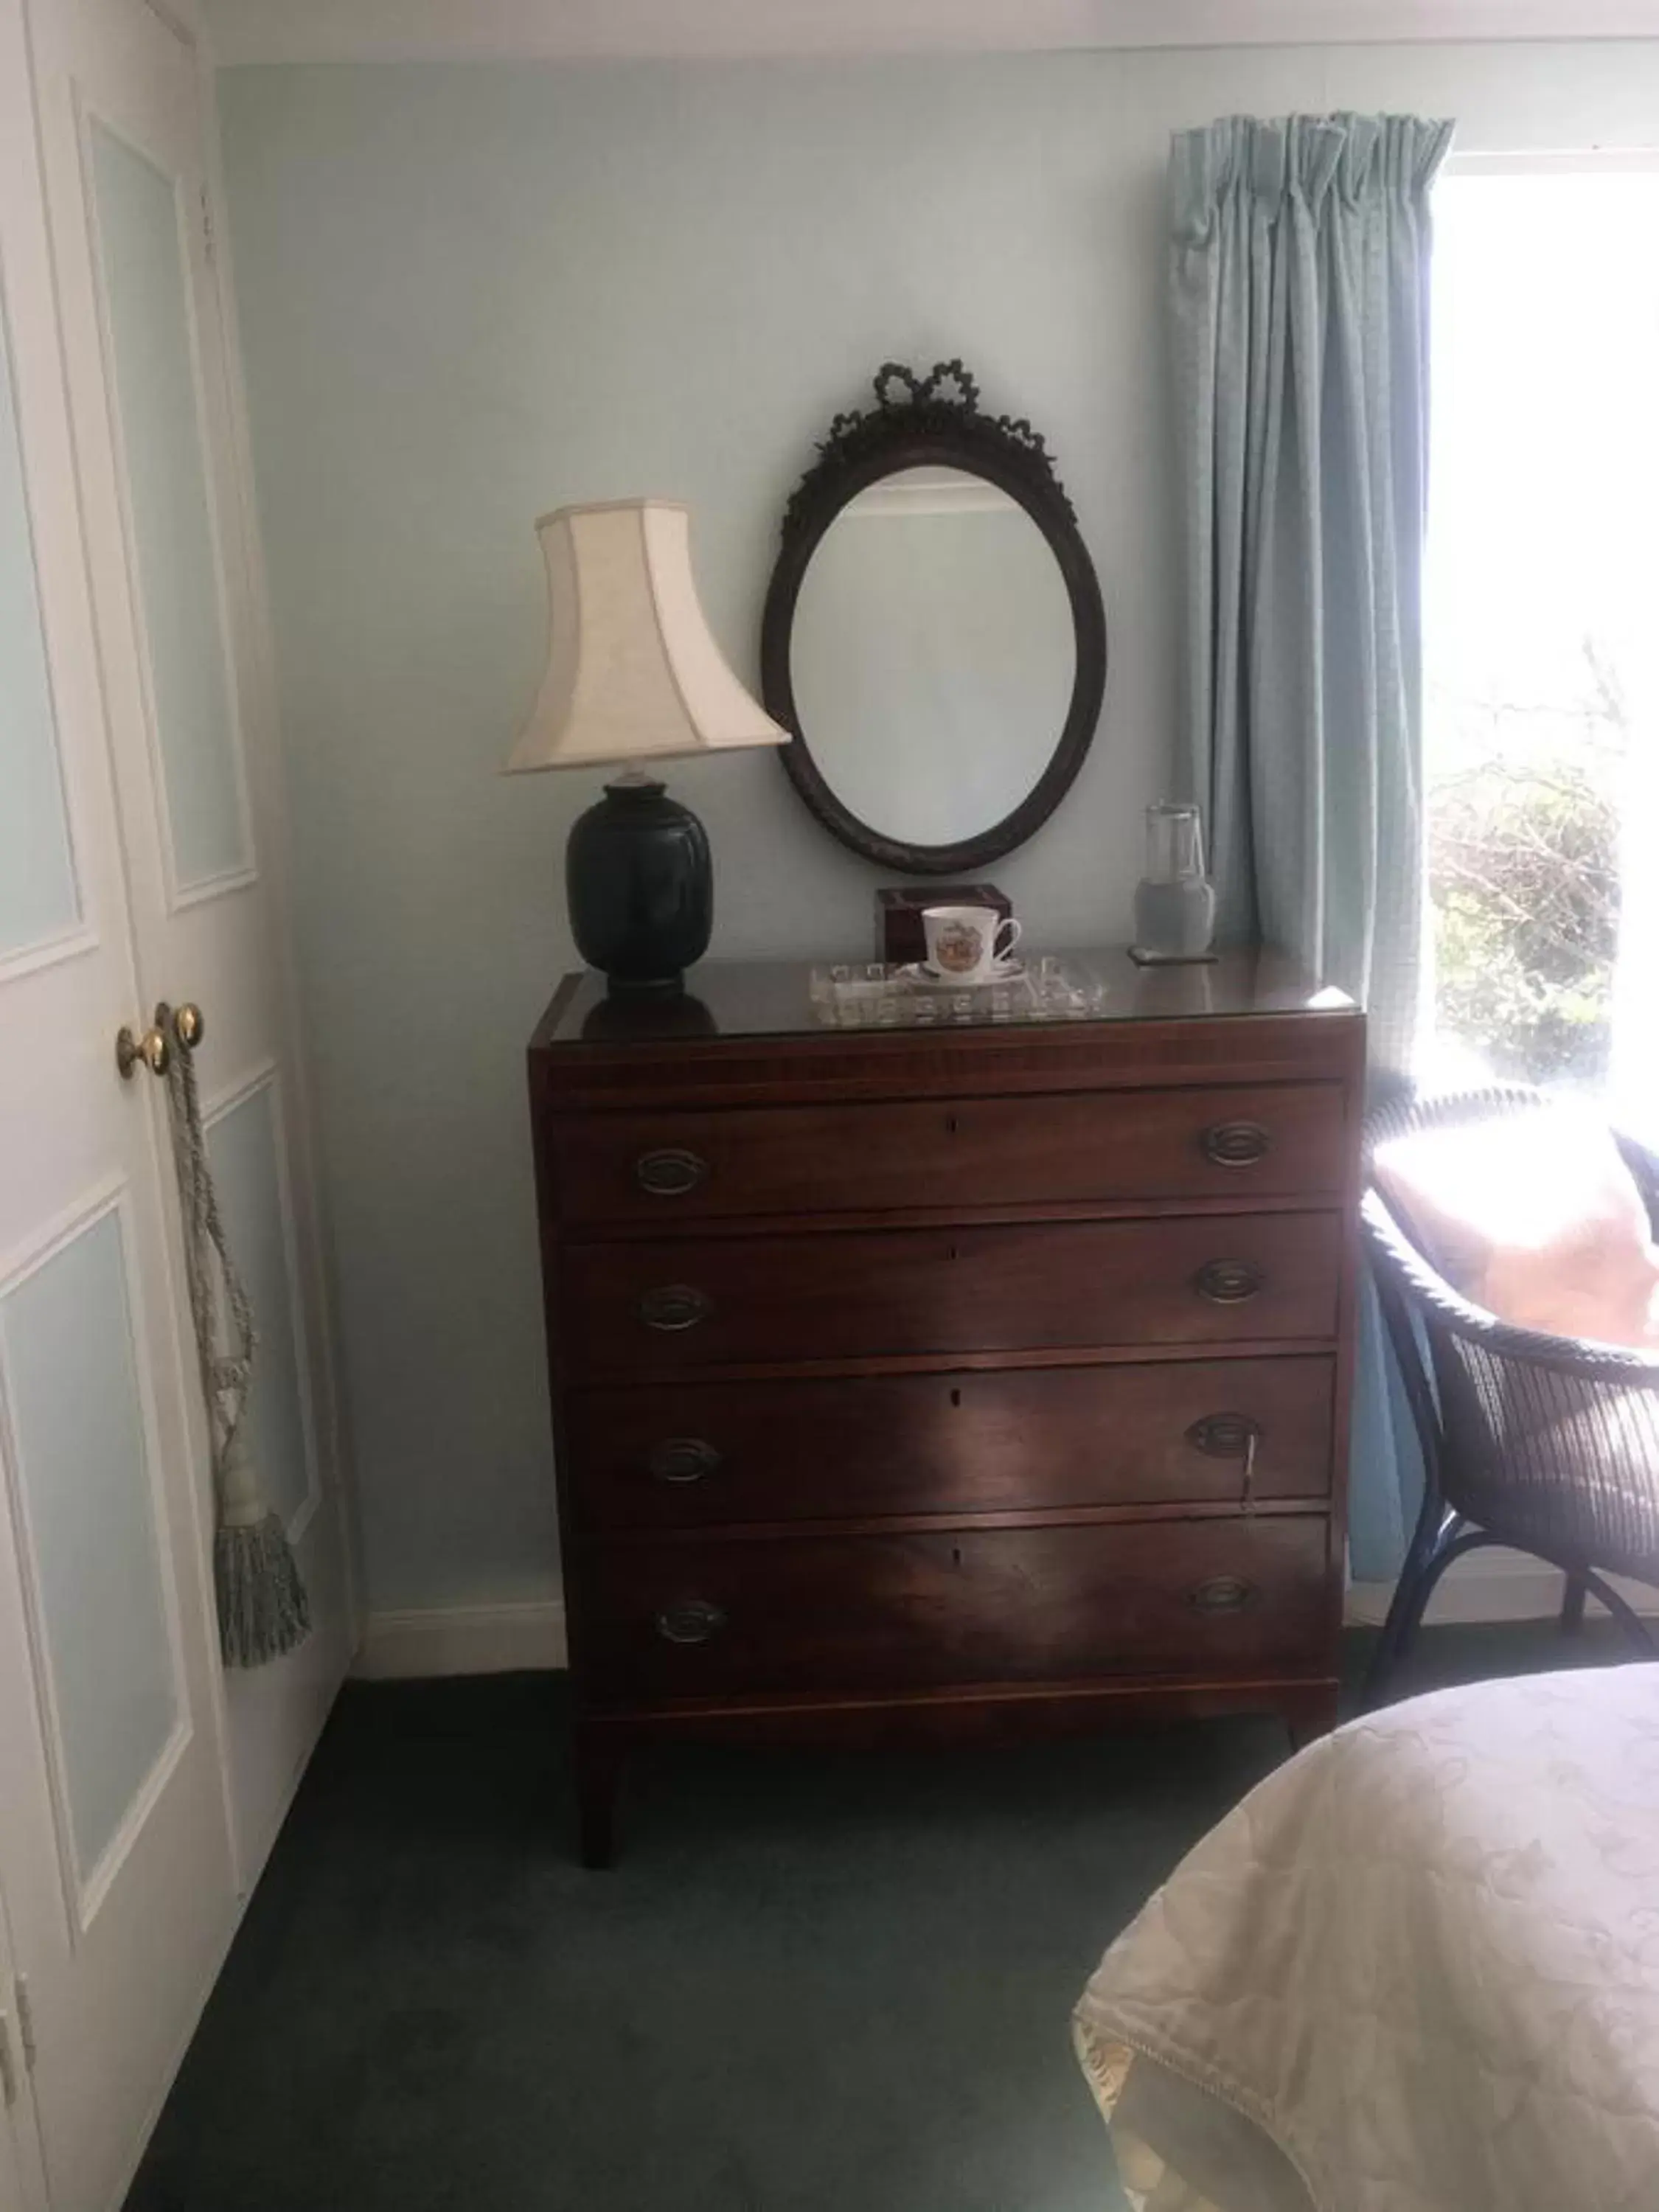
(1271, 1140)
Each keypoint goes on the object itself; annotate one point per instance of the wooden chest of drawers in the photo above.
(959, 1381)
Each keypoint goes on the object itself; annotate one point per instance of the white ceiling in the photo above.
(379, 30)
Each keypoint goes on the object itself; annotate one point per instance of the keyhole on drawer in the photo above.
(956, 1397)
(956, 1555)
(950, 1125)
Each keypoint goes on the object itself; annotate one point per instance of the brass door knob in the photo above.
(151, 1049)
(189, 1025)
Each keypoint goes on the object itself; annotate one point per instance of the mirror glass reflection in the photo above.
(933, 655)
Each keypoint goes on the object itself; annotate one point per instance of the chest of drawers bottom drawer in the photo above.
(708, 1619)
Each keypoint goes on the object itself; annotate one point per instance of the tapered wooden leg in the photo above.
(1310, 1714)
(599, 1773)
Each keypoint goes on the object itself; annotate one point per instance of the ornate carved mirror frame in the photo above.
(934, 422)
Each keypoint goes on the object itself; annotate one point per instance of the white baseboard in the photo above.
(463, 1639)
(1490, 1586)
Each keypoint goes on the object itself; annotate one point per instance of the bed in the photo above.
(1417, 1970)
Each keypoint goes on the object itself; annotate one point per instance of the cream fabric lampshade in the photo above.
(633, 673)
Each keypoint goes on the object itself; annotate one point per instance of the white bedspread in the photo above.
(1416, 1970)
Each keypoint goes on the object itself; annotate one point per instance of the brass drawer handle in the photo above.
(1224, 1436)
(1235, 1144)
(670, 1172)
(1222, 1594)
(682, 1459)
(674, 1306)
(689, 1621)
(1228, 1282)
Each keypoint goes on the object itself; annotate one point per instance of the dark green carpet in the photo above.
(815, 1983)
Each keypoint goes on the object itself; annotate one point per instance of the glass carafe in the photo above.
(1174, 900)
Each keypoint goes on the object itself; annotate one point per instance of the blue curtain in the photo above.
(1299, 297)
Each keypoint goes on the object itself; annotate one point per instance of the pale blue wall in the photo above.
(469, 294)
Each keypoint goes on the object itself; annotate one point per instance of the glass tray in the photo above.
(873, 995)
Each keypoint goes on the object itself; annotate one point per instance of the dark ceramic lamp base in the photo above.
(641, 887)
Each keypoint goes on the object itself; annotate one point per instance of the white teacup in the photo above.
(963, 942)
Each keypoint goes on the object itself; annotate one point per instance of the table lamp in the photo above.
(633, 675)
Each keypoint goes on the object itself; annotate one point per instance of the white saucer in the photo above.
(1007, 971)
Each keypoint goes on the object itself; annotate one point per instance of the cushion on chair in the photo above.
(1534, 1216)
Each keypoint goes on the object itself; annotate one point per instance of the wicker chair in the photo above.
(1545, 1444)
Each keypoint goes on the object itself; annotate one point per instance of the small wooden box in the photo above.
(899, 934)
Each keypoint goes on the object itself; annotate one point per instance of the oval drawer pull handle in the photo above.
(689, 1621)
(670, 1172)
(1228, 1282)
(1222, 1594)
(682, 1459)
(1224, 1436)
(674, 1306)
(1235, 1144)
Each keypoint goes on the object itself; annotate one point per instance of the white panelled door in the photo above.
(154, 394)
(115, 1860)
(139, 860)
(22, 2177)
(13, 2197)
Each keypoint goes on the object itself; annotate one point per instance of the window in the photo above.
(1541, 638)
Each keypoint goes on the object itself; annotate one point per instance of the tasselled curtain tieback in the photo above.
(263, 1608)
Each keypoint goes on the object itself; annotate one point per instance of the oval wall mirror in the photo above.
(933, 634)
